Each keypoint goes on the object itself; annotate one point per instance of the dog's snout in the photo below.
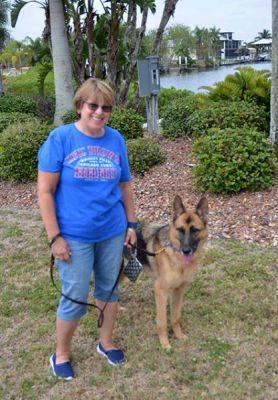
(186, 250)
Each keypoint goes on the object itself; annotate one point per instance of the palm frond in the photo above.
(208, 88)
(15, 10)
(19, 4)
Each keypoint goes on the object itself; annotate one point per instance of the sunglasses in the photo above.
(94, 107)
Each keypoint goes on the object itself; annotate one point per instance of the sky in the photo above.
(243, 17)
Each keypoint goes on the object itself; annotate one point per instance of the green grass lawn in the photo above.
(229, 314)
(26, 84)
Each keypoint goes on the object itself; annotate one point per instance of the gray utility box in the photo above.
(148, 76)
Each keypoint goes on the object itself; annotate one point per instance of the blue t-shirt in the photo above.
(88, 199)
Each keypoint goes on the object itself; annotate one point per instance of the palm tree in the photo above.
(201, 38)
(37, 50)
(245, 84)
(274, 85)
(19, 4)
(265, 34)
(133, 37)
(214, 43)
(4, 34)
(114, 13)
(62, 63)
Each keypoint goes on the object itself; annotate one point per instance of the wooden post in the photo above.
(152, 113)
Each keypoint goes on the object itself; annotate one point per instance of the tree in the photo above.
(119, 41)
(4, 5)
(201, 42)
(133, 37)
(38, 52)
(168, 12)
(106, 39)
(182, 40)
(4, 34)
(61, 60)
(44, 4)
(274, 84)
(265, 34)
(214, 44)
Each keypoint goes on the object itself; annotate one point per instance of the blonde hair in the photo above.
(93, 89)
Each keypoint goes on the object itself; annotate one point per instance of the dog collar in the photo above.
(173, 247)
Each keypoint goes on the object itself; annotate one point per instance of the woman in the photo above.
(86, 202)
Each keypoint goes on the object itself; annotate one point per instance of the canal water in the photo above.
(194, 79)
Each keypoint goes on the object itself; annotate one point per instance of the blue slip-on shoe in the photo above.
(113, 356)
(63, 370)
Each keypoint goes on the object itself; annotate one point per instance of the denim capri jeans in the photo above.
(101, 260)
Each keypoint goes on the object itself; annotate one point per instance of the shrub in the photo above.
(232, 160)
(167, 95)
(19, 146)
(246, 83)
(127, 122)
(143, 154)
(45, 108)
(21, 104)
(70, 116)
(124, 119)
(11, 118)
(140, 107)
(228, 114)
(174, 122)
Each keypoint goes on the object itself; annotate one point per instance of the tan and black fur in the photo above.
(179, 247)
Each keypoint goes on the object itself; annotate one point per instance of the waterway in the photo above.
(194, 79)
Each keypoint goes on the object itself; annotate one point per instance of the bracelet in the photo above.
(132, 225)
(53, 240)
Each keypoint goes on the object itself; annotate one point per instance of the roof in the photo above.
(224, 37)
(263, 41)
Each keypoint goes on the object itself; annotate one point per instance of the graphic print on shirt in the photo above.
(94, 163)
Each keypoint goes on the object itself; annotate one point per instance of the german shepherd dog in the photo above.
(172, 253)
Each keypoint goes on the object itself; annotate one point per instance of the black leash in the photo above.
(149, 253)
(83, 303)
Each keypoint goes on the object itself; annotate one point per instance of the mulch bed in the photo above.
(248, 216)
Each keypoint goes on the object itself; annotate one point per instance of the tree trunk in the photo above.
(168, 12)
(61, 61)
(274, 83)
(130, 31)
(169, 9)
(89, 23)
(137, 39)
(46, 35)
(78, 59)
(113, 48)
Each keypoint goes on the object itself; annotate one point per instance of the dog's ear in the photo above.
(178, 207)
(202, 210)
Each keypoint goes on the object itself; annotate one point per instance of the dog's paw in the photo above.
(165, 344)
(182, 336)
(179, 335)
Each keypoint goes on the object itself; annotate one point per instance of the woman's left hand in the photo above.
(130, 238)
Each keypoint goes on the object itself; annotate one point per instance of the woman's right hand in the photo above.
(60, 250)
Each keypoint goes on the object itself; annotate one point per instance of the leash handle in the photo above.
(83, 303)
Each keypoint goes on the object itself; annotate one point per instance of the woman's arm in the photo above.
(127, 192)
(46, 187)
